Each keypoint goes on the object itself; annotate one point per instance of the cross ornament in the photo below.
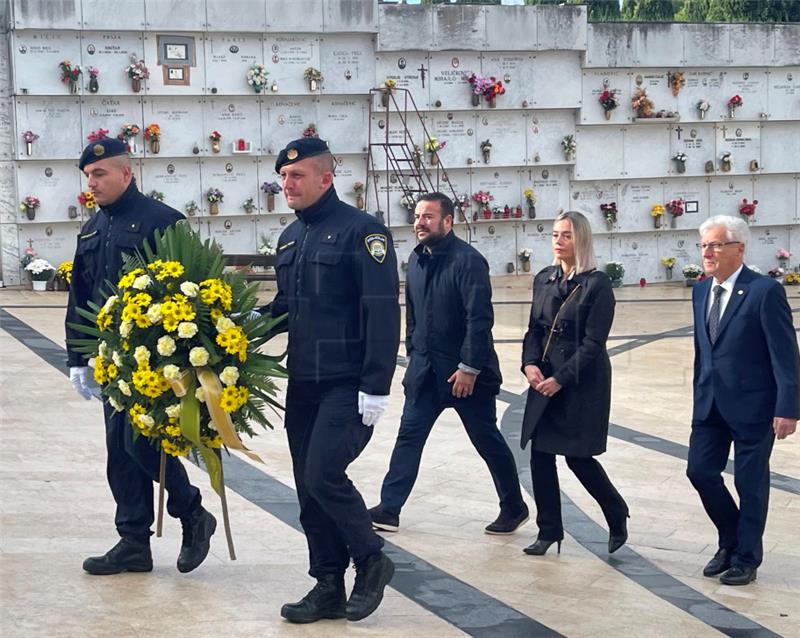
(422, 71)
(679, 130)
(30, 243)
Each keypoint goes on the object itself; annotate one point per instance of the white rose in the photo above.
(223, 324)
(173, 411)
(142, 282)
(171, 372)
(109, 304)
(198, 356)
(187, 329)
(115, 404)
(124, 387)
(116, 358)
(125, 329)
(141, 355)
(200, 395)
(146, 420)
(102, 350)
(230, 375)
(190, 289)
(165, 346)
(154, 313)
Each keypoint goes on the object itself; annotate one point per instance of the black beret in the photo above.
(102, 149)
(301, 149)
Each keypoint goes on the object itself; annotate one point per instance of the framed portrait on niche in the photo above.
(176, 55)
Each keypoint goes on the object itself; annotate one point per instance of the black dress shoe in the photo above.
(739, 575)
(327, 599)
(618, 535)
(382, 520)
(508, 523)
(197, 532)
(372, 576)
(126, 556)
(720, 563)
(540, 547)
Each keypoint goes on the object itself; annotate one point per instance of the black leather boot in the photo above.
(372, 576)
(326, 600)
(126, 556)
(197, 532)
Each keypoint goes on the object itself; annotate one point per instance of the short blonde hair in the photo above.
(582, 239)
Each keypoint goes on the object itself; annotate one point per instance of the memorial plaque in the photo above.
(706, 44)
(599, 154)
(236, 15)
(181, 122)
(751, 44)
(349, 170)
(295, 17)
(655, 82)
(236, 177)
(586, 198)
(551, 188)
(410, 70)
(343, 122)
(726, 193)
(57, 15)
(348, 63)
(236, 235)
(763, 246)
(502, 183)
(392, 130)
(536, 235)
(645, 150)
(284, 119)
(594, 83)
(239, 122)
(457, 184)
(37, 55)
(110, 113)
(390, 200)
(286, 57)
(783, 93)
(557, 79)
(495, 240)
(228, 58)
(545, 130)
(780, 142)
(606, 49)
(683, 246)
(57, 122)
(636, 198)
(56, 184)
(175, 15)
(777, 199)
(448, 73)
(694, 193)
(702, 84)
(176, 62)
(458, 27)
(53, 241)
(752, 86)
(513, 27)
(639, 256)
(457, 130)
(516, 71)
(110, 53)
(743, 141)
(696, 141)
(178, 179)
(562, 27)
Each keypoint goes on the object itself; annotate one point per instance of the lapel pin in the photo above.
(740, 292)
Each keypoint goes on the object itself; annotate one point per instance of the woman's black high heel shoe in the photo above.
(618, 537)
(540, 547)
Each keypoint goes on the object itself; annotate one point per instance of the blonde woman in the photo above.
(565, 361)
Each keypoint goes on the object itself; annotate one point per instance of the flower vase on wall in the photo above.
(531, 211)
(270, 202)
(673, 222)
(213, 208)
(476, 99)
(526, 265)
(155, 146)
(136, 85)
(360, 202)
(657, 221)
(94, 85)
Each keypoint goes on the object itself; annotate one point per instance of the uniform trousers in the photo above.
(325, 435)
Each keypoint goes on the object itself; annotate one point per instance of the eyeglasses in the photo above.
(716, 246)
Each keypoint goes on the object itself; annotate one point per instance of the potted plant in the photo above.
(40, 272)
(94, 84)
(29, 206)
(64, 275)
(609, 101)
(249, 205)
(70, 75)
(152, 133)
(128, 135)
(433, 146)
(486, 150)
(680, 162)
(783, 256)
(215, 138)
(525, 259)
(314, 78)
(691, 272)
(669, 264)
(214, 197)
(530, 198)
(310, 130)
(387, 87)
(191, 208)
(609, 213)
(358, 190)
(734, 103)
(86, 199)
(156, 195)
(675, 208)
(569, 145)
(29, 137)
(616, 273)
(676, 82)
(271, 189)
(137, 72)
(702, 108)
(482, 199)
(657, 211)
(257, 77)
(748, 209)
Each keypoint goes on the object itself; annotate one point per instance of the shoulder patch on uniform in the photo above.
(87, 235)
(288, 244)
(376, 246)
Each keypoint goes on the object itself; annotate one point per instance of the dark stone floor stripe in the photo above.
(455, 601)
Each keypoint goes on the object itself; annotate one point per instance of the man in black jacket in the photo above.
(337, 280)
(126, 220)
(452, 363)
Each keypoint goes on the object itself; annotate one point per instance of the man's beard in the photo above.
(434, 234)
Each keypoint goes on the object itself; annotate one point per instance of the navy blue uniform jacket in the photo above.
(118, 228)
(752, 371)
(337, 279)
(449, 316)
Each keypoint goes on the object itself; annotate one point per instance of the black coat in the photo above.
(449, 317)
(575, 421)
(117, 228)
(337, 280)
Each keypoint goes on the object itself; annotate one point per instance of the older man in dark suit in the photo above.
(746, 391)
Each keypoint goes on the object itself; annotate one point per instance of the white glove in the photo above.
(371, 407)
(78, 378)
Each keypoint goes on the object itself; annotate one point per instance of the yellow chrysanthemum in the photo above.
(111, 371)
(233, 397)
(103, 319)
(100, 371)
(175, 450)
(126, 281)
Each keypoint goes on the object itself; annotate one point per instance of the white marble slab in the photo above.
(639, 256)
(726, 193)
(682, 246)
(694, 192)
(283, 119)
(53, 241)
(751, 85)
(232, 234)
(37, 55)
(595, 81)
(448, 72)
(238, 16)
(458, 130)
(295, 17)
(177, 178)
(544, 132)
(410, 70)
(57, 122)
(780, 147)
(111, 112)
(599, 154)
(236, 118)
(110, 52)
(777, 199)
(646, 150)
(347, 63)
(181, 122)
(636, 198)
(286, 57)
(161, 15)
(743, 141)
(49, 15)
(193, 68)
(56, 184)
(697, 141)
(236, 177)
(783, 93)
(344, 119)
(586, 198)
(517, 71)
(556, 79)
(228, 58)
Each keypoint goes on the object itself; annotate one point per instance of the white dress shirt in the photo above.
(727, 286)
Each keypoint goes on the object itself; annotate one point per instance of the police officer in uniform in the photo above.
(126, 219)
(337, 280)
